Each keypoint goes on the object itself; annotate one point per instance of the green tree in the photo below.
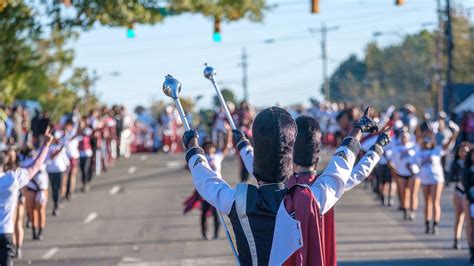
(347, 81)
(228, 95)
(20, 67)
(404, 72)
(35, 58)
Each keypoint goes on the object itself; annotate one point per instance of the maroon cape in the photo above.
(192, 202)
(322, 229)
(195, 202)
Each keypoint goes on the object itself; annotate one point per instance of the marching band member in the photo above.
(36, 193)
(215, 158)
(427, 165)
(468, 182)
(10, 183)
(400, 156)
(265, 232)
(306, 158)
(460, 208)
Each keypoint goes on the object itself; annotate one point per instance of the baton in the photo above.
(210, 74)
(172, 88)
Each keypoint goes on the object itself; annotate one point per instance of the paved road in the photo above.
(133, 216)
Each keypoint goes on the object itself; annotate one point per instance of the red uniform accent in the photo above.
(326, 226)
(195, 202)
(301, 201)
(329, 237)
(192, 202)
(85, 143)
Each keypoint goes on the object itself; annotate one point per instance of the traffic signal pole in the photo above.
(450, 47)
(439, 87)
(324, 57)
(324, 31)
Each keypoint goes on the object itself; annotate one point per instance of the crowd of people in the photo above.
(427, 154)
(78, 146)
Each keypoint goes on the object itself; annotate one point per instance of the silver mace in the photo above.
(172, 88)
(210, 74)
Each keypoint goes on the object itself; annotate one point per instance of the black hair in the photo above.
(343, 113)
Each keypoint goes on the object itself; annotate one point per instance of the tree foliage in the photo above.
(403, 72)
(37, 63)
(230, 10)
(228, 95)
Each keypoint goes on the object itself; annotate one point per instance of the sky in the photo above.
(287, 71)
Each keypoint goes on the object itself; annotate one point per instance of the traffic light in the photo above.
(314, 6)
(399, 2)
(130, 32)
(217, 30)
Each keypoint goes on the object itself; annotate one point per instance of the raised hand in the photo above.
(190, 138)
(48, 138)
(384, 138)
(367, 124)
(453, 126)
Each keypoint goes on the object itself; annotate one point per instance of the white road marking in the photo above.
(90, 217)
(174, 164)
(143, 158)
(50, 253)
(114, 190)
(132, 170)
(129, 260)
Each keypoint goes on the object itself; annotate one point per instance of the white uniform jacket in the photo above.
(327, 189)
(361, 171)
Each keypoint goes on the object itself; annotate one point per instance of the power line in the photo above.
(280, 26)
(268, 74)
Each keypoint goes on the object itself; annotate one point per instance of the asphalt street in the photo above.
(133, 216)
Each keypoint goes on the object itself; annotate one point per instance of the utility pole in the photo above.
(245, 74)
(324, 30)
(324, 57)
(439, 86)
(449, 48)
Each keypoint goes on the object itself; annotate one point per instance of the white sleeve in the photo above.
(362, 169)
(246, 153)
(209, 185)
(21, 177)
(439, 151)
(219, 158)
(329, 187)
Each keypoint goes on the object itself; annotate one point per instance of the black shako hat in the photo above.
(308, 141)
(274, 133)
